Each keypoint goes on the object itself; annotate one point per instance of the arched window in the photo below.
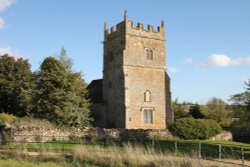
(149, 54)
(147, 96)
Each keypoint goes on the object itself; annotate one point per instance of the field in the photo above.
(153, 153)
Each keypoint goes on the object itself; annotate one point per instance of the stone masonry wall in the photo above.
(128, 73)
(143, 75)
(38, 134)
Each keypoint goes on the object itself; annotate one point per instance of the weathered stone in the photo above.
(38, 134)
(134, 63)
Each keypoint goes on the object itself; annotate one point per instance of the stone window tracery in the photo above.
(147, 96)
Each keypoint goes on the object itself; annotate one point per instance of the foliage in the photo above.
(190, 128)
(6, 118)
(65, 60)
(241, 108)
(218, 110)
(195, 112)
(61, 95)
(16, 83)
(179, 110)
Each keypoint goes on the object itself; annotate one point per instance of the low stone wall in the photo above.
(38, 134)
(224, 135)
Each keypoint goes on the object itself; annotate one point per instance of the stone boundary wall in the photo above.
(38, 134)
(224, 135)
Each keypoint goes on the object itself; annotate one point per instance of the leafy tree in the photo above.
(16, 84)
(241, 108)
(218, 110)
(195, 112)
(179, 110)
(61, 95)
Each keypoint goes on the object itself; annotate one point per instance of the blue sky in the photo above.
(208, 42)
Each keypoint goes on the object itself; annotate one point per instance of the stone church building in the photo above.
(135, 90)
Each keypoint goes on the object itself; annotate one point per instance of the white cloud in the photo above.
(220, 60)
(1, 22)
(10, 52)
(172, 69)
(4, 4)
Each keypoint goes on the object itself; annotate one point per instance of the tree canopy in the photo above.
(55, 92)
(241, 108)
(16, 86)
(218, 110)
(179, 110)
(61, 95)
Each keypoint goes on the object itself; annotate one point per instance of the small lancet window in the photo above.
(147, 96)
(149, 53)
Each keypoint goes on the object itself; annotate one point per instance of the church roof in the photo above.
(95, 91)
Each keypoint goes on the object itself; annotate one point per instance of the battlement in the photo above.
(128, 26)
(149, 28)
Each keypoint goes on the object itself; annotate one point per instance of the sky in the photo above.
(207, 42)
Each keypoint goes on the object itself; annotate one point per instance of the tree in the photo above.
(195, 112)
(218, 110)
(179, 110)
(61, 95)
(16, 86)
(65, 60)
(241, 108)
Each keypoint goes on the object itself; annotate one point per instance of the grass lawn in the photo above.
(24, 163)
(209, 149)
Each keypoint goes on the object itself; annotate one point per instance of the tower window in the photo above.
(148, 116)
(149, 54)
(147, 96)
(110, 84)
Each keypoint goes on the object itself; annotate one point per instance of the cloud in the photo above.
(11, 52)
(1, 22)
(219, 60)
(4, 4)
(172, 70)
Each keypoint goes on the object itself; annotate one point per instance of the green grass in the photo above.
(209, 149)
(50, 146)
(24, 163)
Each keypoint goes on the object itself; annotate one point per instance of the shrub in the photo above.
(190, 128)
(6, 118)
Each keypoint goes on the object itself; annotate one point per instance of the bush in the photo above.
(6, 118)
(190, 128)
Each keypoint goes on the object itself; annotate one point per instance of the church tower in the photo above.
(135, 85)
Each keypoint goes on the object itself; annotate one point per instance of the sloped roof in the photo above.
(95, 91)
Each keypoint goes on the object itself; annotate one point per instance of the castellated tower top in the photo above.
(127, 26)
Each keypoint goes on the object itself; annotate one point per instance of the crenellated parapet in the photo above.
(149, 27)
(129, 28)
